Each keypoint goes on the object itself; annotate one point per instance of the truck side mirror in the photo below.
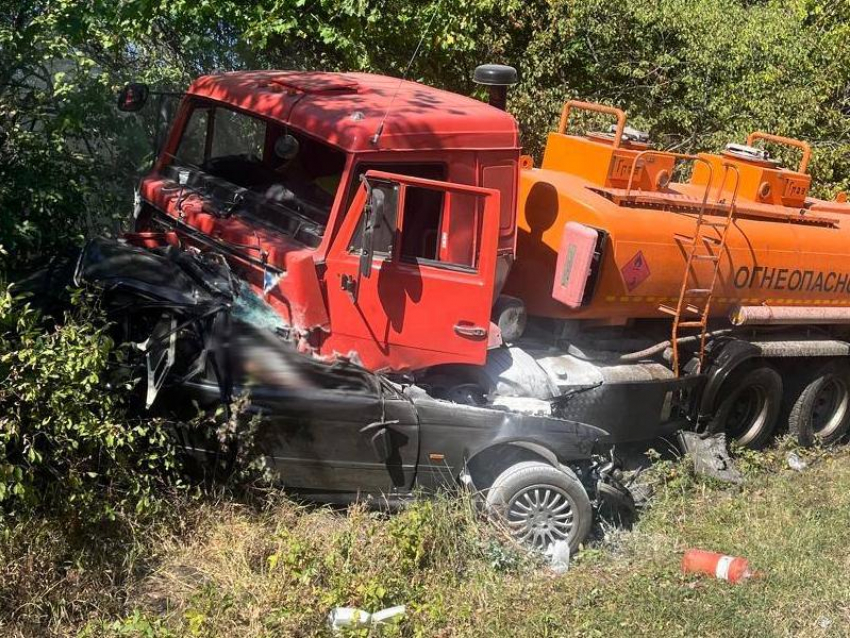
(133, 97)
(374, 213)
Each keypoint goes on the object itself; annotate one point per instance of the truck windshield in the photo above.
(279, 176)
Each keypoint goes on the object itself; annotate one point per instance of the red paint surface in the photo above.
(346, 109)
(405, 314)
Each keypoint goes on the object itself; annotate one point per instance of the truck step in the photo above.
(707, 257)
(698, 291)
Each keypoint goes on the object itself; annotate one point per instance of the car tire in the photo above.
(820, 413)
(616, 505)
(539, 504)
(749, 409)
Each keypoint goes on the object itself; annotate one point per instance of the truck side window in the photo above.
(423, 216)
(426, 171)
(440, 229)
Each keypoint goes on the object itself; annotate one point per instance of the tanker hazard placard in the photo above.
(635, 271)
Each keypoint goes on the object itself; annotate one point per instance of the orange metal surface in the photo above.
(784, 248)
(760, 184)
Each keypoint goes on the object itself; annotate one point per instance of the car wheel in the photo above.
(749, 409)
(540, 504)
(821, 412)
(616, 505)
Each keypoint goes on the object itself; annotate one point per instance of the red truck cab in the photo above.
(291, 174)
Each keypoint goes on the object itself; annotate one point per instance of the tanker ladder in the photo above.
(693, 306)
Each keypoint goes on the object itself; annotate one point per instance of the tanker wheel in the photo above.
(749, 407)
(540, 504)
(821, 412)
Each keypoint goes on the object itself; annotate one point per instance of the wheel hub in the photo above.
(540, 515)
(830, 407)
(747, 413)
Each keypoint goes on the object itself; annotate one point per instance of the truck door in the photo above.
(410, 275)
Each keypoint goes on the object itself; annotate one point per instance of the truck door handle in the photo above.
(476, 332)
(349, 285)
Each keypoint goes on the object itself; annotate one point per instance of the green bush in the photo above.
(66, 442)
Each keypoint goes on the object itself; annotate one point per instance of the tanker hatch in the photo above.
(760, 178)
(619, 158)
(749, 154)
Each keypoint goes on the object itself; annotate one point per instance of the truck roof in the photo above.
(346, 109)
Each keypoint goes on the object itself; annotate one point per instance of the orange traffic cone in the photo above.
(730, 568)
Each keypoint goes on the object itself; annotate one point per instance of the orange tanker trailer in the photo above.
(782, 246)
(738, 258)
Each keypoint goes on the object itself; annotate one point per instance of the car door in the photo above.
(410, 275)
(324, 440)
(331, 440)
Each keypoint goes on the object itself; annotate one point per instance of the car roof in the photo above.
(346, 109)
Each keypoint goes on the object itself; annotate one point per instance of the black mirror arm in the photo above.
(368, 228)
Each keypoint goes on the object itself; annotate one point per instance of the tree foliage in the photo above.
(696, 73)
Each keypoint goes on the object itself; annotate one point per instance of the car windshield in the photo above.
(259, 169)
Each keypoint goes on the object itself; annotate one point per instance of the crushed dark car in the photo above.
(334, 431)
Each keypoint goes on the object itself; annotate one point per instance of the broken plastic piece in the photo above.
(795, 462)
(341, 617)
(710, 456)
(159, 361)
(558, 554)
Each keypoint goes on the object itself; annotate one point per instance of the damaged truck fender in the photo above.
(732, 353)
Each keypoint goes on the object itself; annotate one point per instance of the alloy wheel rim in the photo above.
(539, 515)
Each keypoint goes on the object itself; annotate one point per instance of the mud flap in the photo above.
(711, 456)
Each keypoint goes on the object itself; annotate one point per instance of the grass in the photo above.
(274, 568)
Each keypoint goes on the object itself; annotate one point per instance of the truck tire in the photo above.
(540, 504)
(749, 406)
(821, 411)
(510, 315)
